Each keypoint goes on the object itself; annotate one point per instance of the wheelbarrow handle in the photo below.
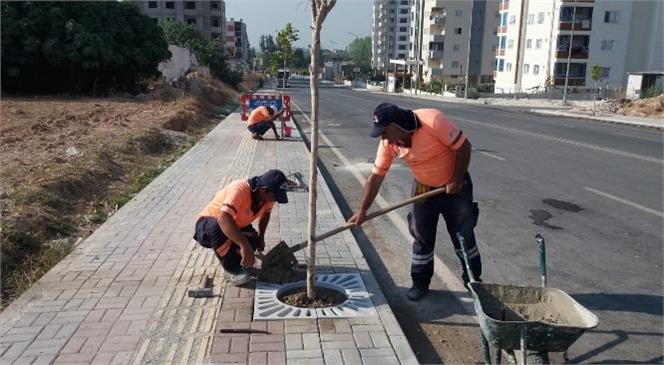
(369, 216)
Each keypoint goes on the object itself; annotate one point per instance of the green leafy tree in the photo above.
(78, 47)
(359, 51)
(298, 58)
(268, 47)
(285, 39)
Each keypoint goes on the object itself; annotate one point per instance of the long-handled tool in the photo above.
(284, 253)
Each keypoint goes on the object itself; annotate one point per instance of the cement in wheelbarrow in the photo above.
(553, 320)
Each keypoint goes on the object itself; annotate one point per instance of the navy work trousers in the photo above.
(261, 128)
(208, 234)
(460, 214)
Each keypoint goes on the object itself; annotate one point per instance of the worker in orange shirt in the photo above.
(262, 119)
(225, 223)
(438, 154)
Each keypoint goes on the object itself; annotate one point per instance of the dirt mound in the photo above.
(70, 163)
(651, 107)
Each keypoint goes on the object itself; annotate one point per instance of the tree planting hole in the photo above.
(324, 298)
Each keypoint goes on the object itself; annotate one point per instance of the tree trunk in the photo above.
(319, 10)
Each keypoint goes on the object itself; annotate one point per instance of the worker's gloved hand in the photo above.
(248, 258)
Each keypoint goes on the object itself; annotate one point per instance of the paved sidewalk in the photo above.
(619, 119)
(121, 296)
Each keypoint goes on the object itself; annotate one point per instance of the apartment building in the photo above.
(237, 42)
(537, 39)
(449, 48)
(391, 37)
(208, 16)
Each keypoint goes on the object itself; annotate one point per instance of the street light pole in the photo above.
(569, 54)
(470, 34)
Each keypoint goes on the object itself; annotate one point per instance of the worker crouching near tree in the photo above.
(225, 223)
(438, 154)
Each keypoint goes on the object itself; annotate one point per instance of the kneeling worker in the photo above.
(262, 119)
(225, 224)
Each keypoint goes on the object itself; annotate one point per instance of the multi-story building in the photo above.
(237, 42)
(539, 38)
(208, 16)
(391, 25)
(449, 49)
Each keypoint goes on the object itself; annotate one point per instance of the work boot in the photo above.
(257, 136)
(238, 279)
(417, 292)
(276, 136)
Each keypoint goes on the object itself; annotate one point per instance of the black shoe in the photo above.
(417, 292)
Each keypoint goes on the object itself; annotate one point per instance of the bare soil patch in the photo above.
(70, 163)
(324, 298)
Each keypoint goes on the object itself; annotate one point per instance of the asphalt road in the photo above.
(592, 189)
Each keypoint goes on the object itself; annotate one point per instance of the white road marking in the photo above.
(492, 156)
(440, 269)
(625, 201)
(567, 141)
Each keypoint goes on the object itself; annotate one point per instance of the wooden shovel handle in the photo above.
(370, 216)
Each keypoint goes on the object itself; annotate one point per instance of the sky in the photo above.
(347, 20)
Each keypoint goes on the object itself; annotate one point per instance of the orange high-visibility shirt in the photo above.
(258, 115)
(432, 155)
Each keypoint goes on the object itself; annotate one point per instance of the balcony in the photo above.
(504, 6)
(577, 53)
(502, 29)
(436, 54)
(579, 25)
(438, 19)
(500, 52)
(437, 38)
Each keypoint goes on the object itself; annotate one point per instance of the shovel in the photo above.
(284, 254)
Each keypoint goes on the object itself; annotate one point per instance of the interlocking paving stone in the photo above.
(121, 296)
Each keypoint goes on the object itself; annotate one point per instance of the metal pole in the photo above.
(569, 53)
(470, 33)
(417, 42)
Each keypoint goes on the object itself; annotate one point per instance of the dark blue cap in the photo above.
(276, 181)
(387, 113)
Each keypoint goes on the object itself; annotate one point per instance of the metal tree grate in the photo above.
(267, 306)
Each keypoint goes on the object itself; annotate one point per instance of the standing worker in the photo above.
(438, 154)
(225, 223)
(262, 119)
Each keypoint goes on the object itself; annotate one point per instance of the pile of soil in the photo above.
(651, 107)
(324, 298)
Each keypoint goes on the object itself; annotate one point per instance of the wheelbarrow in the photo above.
(525, 318)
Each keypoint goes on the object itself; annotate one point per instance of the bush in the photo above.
(651, 92)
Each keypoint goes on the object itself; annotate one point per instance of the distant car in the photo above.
(280, 83)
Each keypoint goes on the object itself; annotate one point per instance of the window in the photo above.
(540, 17)
(510, 43)
(538, 44)
(455, 64)
(607, 45)
(458, 13)
(606, 71)
(169, 5)
(152, 4)
(403, 20)
(214, 5)
(404, 2)
(531, 19)
(404, 11)
(502, 42)
(403, 29)
(529, 43)
(391, 11)
(456, 48)
(512, 19)
(501, 65)
(190, 5)
(536, 70)
(402, 47)
(191, 21)
(391, 20)
(401, 56)
(526, 68)
(215, 22)
(503, 20)
(457, 30)
(611, 17)
(508, 67)
(403, 38)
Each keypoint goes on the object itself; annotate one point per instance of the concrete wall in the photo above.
(181, 60)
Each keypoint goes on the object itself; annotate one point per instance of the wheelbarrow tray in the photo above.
(553, 321)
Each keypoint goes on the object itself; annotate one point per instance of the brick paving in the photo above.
(121, 296)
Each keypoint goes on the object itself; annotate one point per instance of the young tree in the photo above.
(596, 75)
(319, 11)
(285, 40)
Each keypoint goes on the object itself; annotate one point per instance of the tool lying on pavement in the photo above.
(283, 255)
(205, 291)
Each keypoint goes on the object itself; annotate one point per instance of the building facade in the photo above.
(537, 39)
(208, 16)
(449, 49)
(237, 42)
(391, 37)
